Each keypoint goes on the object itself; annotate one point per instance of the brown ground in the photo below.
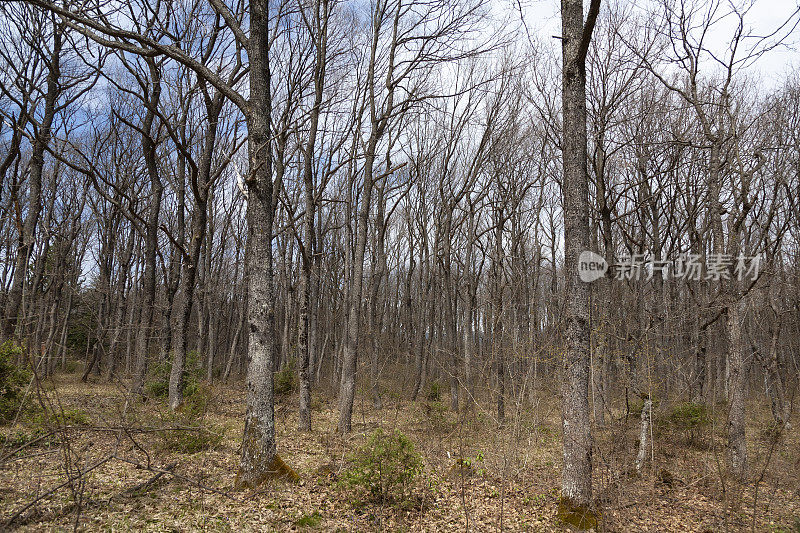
(514, 488)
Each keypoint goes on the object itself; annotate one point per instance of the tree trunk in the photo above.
(576, 486)
(644, 429)
(27, 238)
(259, 456)
(772, 377)
(320, 26)
(347, 386)
(201, 180)
(151, 231)
(737, 443)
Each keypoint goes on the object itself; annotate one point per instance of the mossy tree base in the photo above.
(579, 517)
(277, 470)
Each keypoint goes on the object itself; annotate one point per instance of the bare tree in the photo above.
(576, 36)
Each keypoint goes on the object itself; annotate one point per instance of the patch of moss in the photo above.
(309, 520)
(280, 470)
(579, 517)
(276, 470)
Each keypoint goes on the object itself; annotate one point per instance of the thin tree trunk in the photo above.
(191, 263)
(644, 429)
(320, 26)
(151, 231)
(737, 444)
(27, 238)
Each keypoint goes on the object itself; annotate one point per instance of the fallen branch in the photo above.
(12, 453)
(177, 476)
(69, 480)
(146, 484)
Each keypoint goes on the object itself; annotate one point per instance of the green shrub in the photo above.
(73, 417)
(191, 435)
(157, 385)
(434, 393)
(184, 433)
(191, 439)
(196, 399)
(383, 470)
(81, 325)
(13, 381)
(436, 414)
(67, 417)
(39, 422)
(689, 416)
(286, 381)
(20, 437)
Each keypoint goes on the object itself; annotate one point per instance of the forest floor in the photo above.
(124, 465)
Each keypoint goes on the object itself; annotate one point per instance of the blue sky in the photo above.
(543, 20)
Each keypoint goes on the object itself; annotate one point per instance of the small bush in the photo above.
(38, 423)
(468, 466)
(190, 440)
(434, 393)
(13, 380)
(21, 437)
(286, 381)
(184, 431)
(436, 414)
(67, 417)
(190, 435)
(384, 469)
(196, 399)
(157, 385)
(689, 416)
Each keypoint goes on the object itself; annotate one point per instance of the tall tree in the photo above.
(576, 485)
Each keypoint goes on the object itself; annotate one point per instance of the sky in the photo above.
(542, 18)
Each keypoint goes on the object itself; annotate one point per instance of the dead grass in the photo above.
(512, 483)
